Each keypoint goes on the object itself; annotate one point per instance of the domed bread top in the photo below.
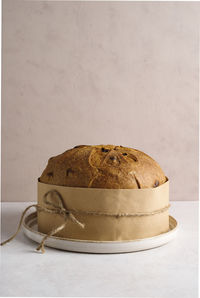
(103, 166)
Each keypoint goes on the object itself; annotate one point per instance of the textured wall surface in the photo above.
(122, 73)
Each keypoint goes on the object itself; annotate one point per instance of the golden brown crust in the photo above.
(103, 166)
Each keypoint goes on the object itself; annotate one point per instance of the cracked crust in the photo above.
(103, 166)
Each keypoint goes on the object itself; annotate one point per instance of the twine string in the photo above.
(51, 233)
(19, 225)
(57, 207)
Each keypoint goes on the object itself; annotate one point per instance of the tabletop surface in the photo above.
(167, 271)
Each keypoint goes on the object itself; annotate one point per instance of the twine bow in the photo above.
(58, 208)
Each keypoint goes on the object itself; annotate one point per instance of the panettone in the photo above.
(101, 193)
(103, 166)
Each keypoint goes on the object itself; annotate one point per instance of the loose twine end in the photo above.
(19, 225)
(60, 209)
(75, 220)
(41, 247)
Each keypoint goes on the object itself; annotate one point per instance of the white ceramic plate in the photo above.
(88, 246)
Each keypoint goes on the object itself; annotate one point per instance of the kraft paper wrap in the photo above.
(120, 202)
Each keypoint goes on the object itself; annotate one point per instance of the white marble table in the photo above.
(167, 271)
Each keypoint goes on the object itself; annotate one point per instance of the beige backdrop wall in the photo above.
(121, 73)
